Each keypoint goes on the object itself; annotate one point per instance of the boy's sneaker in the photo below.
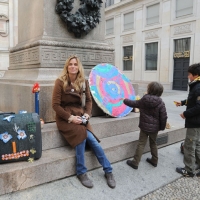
(197, 167)
(184, 172)
(150, 162)
(130, 163)
(198, 174)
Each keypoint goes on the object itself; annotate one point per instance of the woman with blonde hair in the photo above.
(72, 115)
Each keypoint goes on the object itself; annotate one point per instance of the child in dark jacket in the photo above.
(153, 118)
(192, 123)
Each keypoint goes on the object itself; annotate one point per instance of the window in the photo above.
(109, 3)
(128, 57)
(151, 56)
(184, 7)
(109, 26)
(182, 45)
(153, 14)
(128, 20)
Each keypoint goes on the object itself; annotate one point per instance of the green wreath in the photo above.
(84, 20)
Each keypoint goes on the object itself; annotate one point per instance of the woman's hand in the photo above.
(86, 116)
(76, 120)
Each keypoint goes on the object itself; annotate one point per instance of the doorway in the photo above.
(180, 80)
(181, 64)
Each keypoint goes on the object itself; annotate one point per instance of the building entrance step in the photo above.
(102, 126)
(59, 162)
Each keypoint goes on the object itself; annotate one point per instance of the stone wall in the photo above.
(44, 45)
(8, 31)
(4, 36)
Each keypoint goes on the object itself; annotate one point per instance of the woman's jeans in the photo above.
(98, 151)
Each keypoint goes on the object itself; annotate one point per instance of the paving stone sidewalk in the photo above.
(181, 189)
(160, 183)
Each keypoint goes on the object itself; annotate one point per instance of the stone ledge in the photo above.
(60, 162)
(103, 127)
(61, 44)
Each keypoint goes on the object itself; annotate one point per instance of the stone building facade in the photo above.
(43, 46)
(8, 31)
(154, 40)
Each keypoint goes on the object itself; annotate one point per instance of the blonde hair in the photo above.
(64, 76)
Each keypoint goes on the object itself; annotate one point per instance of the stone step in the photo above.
(60, 162)
(103, 127)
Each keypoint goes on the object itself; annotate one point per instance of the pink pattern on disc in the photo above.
(108, 87)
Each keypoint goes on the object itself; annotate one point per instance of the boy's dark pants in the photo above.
(141, 144)
(192, 149)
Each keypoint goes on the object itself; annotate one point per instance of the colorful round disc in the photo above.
(108, 87)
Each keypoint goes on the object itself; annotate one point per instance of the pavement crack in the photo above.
(71, 182)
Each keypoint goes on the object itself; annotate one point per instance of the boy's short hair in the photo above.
(194, 69)
(155, 88)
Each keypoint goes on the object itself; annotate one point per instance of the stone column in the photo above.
(165, 44)
(13, 22)
(197, 36)
(138, 45)
(4, 36)
(43, 46)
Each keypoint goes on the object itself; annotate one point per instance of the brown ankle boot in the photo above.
(110, 180)
(85, 180)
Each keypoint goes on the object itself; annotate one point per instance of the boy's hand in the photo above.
(182, 115)
(177, 103)
(121, 99)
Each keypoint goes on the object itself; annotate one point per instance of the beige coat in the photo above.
(66, 104)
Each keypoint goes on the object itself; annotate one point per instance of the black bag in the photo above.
(20, 137)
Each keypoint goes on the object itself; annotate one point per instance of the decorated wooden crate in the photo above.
(20, 137)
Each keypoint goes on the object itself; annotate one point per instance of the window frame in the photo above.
(182, 39)
(132, 22)
(145, 66)
(124, 46)
(113, 26)
(186, 15)
(109, 3)
(159, 13)
(173, 13)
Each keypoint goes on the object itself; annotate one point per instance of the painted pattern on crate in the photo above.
(17, 137)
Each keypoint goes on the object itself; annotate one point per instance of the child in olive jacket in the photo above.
(192, 123)
(153, 118)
